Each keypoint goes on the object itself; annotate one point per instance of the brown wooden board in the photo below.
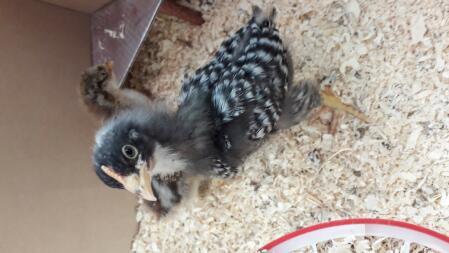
(118, 30)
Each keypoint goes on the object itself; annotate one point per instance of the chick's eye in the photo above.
(129, 151)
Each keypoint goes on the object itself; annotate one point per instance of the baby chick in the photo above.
(225, 111)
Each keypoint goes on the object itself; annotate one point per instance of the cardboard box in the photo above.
(51, 198)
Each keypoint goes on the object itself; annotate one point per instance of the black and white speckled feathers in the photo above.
(247, 80)
(249, 73)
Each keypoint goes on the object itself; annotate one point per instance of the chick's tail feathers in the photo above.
(302, 98)
(267, 14)
(299, 101)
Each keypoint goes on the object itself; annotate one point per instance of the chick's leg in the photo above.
(332, 109)
(101, 93)
(329, 99)
(93, 90)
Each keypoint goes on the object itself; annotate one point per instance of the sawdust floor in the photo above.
(389, 58)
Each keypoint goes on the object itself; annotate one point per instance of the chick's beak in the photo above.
(137, 184)
(145, 169)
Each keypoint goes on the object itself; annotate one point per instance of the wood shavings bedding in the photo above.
(367, 244)
(389, 58)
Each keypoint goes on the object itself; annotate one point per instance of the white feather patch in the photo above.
(167, 161)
